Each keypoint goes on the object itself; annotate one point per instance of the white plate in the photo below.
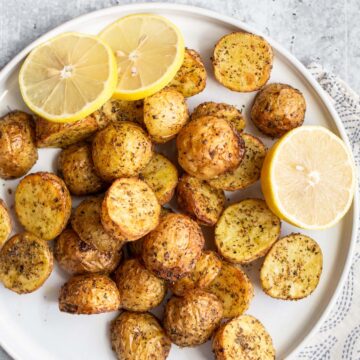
(31, 326)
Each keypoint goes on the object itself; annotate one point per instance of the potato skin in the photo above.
(18, 152)
(89, 294)
(122, 149)
(76, 167)
(77, 257)
(116, 110)
(172, 249)
(139, 289)
(43, 204)
(190, 320)
(165, 113)
(150, 341)
(277, 109)
(208, 147)
(26, 262)
(5, 223)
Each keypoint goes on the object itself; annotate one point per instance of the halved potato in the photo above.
(25, 263)
(162, 177)
(5, 223)
(248, 172)
(191, 77)
(243, 337)
(246, 231)
(122, 110)
(89, 294)
(242, 61)
(233, 288)
(292, 268)
(130, 209)
(43, 204)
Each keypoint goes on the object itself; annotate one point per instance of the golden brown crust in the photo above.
(277, 109)
(208, 147)
(121, 110)
(18, 152)
(5, 223)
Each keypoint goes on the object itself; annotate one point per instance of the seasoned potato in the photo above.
(122, 149)
(122, 110)
(246, 231)
(165, 113)
(130, 209)
(76, 167)
(200, 200)
(43, 204)
(191, 77)
(77, 257)
(162, 177)
(149, 342)
(25, 263)
(292, 268)
(243, 337)
(248, 172)
(173, 248)
(190, 320)
(5, 223)
(139, 289)
(242, 61)
(208, 147)
(277, 109)
(205, 271)
(89, 294)
(220, 110)
(234, 290)
(18, 152)
(86, 222)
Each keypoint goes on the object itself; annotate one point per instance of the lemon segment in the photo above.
(308, 178)
(68, 77)
(149, 50)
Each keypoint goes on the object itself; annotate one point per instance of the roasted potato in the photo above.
(208, 147)
(199, 200)
(140, 290)
(5, 223)
(292, 268)
(220, 110)
(18, 152)
(248, 172)
(86, 222)
(122, 149)
(76, 167)
(242, 61)
(25, 263)
(89, 294)
(205, 271)
(162, 177)
(173, 248)
(246, 231)
(243, 337)
(190, 320)
(130, 209)
(77, 257)
(191, 77)
(233, 288)
(121, 110)
(277, 109)
(137, 336)
(43, 204)
(165, 113)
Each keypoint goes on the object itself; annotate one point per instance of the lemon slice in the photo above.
(68, 77)
(149, 50)
(308, 178)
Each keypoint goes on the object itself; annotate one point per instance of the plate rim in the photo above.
(320, 92)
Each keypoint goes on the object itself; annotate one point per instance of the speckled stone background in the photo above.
(327, 31)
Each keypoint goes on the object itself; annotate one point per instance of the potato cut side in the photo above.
(5, 223)
(242, 61)
(249, 170)
(162, 177)
(25, 263)
(246, 231)
(292, 268)
(243, 337)
(233, 288)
